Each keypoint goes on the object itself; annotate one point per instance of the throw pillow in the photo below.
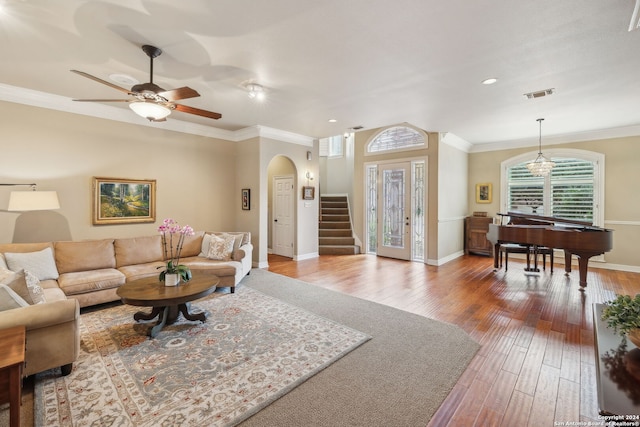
(206, 241)
(9, 299)
(27, 286)
(237, 242)
(41, 263)
(220, 248)
(6, 274)
(35, 290)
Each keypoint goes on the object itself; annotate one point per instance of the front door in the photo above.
(283, 216)
(394, 202)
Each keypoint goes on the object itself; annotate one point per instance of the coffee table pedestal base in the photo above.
(167, 316)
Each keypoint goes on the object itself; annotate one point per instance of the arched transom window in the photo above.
(397, 138)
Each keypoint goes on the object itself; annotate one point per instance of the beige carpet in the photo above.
(399, 378)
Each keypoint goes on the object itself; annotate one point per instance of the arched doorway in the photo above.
(281, 175)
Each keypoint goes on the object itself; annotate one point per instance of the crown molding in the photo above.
(39, 99)
(455, 141)
(592, 135)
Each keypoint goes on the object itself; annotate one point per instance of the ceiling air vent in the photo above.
(540, 93)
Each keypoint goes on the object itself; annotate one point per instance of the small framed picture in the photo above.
(308, 193)
(246, 199)
(483, 193)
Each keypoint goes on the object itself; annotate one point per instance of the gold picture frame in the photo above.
(123, 201)
(484, 193)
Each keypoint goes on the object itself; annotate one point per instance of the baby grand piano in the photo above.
(576, 238)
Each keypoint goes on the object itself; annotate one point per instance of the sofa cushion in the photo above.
(81, 282)
(221, 247)
(191, 245)
(218, 268)
(41, 263)
(26, 285)
(138, 271)
(9, 299)
(84, 255)
(138, 250)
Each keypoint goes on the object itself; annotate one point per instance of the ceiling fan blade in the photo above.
(103, 100)
(104, 82)
(180, 93)
(198, 112)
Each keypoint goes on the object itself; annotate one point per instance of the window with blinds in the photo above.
(332, 146)
(567, 192)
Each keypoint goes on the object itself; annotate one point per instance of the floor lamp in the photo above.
(37, 222)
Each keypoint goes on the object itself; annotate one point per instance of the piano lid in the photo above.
(550, 220)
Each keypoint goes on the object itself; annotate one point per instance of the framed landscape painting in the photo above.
(123, 201)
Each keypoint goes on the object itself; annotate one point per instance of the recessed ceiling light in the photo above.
(490, 81)
(123, 79)
(332, 120)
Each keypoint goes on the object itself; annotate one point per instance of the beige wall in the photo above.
(62, 151)
(622, 197)
(452, 201)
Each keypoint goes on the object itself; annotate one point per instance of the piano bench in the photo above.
(515, 248)
(544, 251)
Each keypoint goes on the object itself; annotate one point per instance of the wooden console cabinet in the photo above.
(475, 235)
(12, 342)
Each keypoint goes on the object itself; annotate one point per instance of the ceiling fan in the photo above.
(150, 100)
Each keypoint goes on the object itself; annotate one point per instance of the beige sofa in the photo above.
(89, 272)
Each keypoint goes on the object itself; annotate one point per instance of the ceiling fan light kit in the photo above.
(150, 100)
(255, 91)
(150, 110)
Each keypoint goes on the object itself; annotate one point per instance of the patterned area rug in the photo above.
(252, 349)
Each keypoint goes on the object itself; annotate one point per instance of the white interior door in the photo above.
(394, 207)
(283, 199)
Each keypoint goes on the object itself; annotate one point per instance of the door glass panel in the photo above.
(372, 212)
(393, 215)
(417, 219)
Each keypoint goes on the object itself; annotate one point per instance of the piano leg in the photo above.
(582, 266)
(583, 263)
(496, 254)
(567, 262)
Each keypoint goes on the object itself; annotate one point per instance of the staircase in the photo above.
(335, 235)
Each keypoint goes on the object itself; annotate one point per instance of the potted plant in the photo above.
(174, 272)
(623, 315)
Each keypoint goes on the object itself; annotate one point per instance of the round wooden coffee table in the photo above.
(167, 302)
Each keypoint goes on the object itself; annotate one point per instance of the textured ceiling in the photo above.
(364, 63)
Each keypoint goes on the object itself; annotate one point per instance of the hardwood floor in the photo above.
(537, 362)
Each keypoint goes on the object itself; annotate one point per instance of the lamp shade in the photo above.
(150, 110)
(33, 201)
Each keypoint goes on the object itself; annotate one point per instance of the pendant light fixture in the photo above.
(541, 166)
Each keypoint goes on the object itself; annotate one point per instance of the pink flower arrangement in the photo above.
(168, 229)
